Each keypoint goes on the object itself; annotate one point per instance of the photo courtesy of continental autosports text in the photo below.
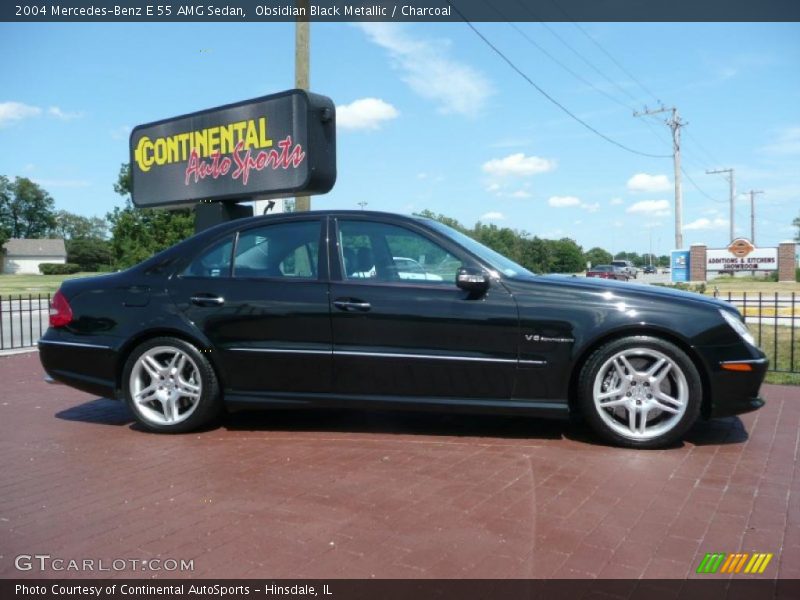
(430, 300)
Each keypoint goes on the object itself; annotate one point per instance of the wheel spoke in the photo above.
(611, 393)
(651, 372)
(169, 408)
(145, 395)
(611, 403)
(643, 411)
(632, 372)
(667, 402)
(657, 379)
(152, 366)
(632, 419)
(187, 388)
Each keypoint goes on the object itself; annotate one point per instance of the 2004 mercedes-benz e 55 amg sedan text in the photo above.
(314, 309)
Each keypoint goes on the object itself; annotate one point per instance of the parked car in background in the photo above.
(608, 272)
(266, 312)
(649, 270)
(626, 266)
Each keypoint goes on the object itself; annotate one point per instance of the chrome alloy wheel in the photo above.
(165, 385)
(640, 393)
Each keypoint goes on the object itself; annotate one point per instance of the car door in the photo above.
(404, 333)
(260, 296)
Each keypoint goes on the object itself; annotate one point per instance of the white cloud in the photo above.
(616, 201)
(788, 143)
(11, 112)
(563, 201)
(520, 194)
(55, 111)
(428, 70)
(121, 133)
(492, 216)
(592, 208)
(704, 223)
(518, 165)
(654, 208)
(63, 183)
(643, 182)
(365, 113)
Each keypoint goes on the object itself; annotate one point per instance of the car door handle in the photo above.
(207, 300)
(348, 304)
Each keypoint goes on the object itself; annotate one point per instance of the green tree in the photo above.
(76, 227)
(598, 256)
(26, 210)
(796, 223)
(91, 254)
(567, 257)
(138, 233)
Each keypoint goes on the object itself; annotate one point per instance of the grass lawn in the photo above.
(740, 284)
(34, 284)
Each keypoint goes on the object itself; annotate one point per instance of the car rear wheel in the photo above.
(170, 386)
(640, 392)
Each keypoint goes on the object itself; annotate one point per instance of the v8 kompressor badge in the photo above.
(535, 337)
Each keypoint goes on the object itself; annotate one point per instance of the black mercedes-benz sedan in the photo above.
(375, 310)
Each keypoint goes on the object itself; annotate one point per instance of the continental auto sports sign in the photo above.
(277, 145)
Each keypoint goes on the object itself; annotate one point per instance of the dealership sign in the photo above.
(277, 145)
(742, 255)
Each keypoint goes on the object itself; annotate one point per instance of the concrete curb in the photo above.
(13, 351)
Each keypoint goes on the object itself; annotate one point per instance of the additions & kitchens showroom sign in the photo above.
(742, 255)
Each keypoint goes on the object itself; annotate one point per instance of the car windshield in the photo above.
(494, 259)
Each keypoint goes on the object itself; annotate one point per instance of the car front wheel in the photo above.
(170, 386)
(640, 392)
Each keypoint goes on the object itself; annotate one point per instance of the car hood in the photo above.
(628, 290)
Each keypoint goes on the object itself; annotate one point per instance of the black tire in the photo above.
(206, 408)
(642, 349)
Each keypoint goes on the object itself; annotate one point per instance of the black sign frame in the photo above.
(278, 145)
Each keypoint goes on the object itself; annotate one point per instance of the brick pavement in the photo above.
(360, 494)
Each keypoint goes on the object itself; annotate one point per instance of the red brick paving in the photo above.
(359, 494)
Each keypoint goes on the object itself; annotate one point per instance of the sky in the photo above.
(429, 116)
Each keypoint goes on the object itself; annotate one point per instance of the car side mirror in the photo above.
(472, 279)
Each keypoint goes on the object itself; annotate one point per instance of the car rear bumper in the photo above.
(89, 366)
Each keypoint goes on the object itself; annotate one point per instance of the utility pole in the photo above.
(302, 36)
(362, 204)
(674, 123)
(732, 190)
(753, 215)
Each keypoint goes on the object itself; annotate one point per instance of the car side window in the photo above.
(388, 253)
(282, 250)
(214, 261)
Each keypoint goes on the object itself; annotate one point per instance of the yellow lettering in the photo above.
(213, 139)
(251, 141)
(263, 140)
(226, 144)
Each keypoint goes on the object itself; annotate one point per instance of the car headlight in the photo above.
(738, 326)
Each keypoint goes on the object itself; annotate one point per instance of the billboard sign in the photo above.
(273, 146)
(679, 265)
(742, 255)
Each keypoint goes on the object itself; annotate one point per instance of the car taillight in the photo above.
(60, 311)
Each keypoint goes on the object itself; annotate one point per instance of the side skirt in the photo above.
(549, 409)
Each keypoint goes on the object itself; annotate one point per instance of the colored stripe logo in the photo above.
(739, 562)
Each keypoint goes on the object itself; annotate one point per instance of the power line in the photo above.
(549, 97)
(577, 76)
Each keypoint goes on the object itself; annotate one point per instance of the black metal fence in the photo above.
(23, 319)
(774, 320)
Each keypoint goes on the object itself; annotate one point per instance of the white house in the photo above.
(25, 256)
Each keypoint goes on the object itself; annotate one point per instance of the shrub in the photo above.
(58, 268)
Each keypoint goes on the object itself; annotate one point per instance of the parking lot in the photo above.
(387, 495)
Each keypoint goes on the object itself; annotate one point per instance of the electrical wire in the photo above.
(530, 81)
